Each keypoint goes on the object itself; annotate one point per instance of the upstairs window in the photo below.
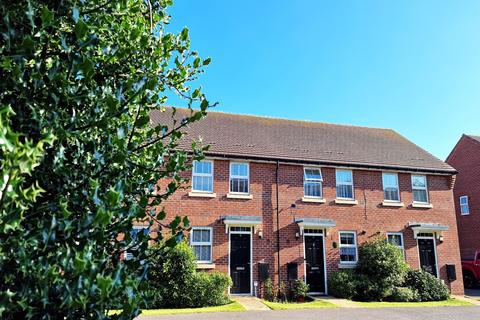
(312, 182)
(239, 177)
(390, 186)
(202, 176)
(348, 247)
(419, 188)
(344, 180)
(396, 238)
(464, 208)
(201, 242)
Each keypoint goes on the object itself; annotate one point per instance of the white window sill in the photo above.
(396, 204)
(422, 205)
(205, 265)
(239, 196)
(346, 201)
(347, 265)
(195, 194)
(314, 200)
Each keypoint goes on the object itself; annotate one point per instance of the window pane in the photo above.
(344, 176)
(395, 239)
(391, 194)
(239, 169)
(202, 253)
(201, 183)
(196, 235)
(205, 236)
(347, 238)
(348, 254)
(344, 191)
(420, 195)
(419, 181)
(239, 185)
(463, 200)
(203, 167)
(312, 189)
(390, 180)
(312, 174)
(464, 209)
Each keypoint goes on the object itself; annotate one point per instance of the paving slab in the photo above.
(342, 303)
(251, 303)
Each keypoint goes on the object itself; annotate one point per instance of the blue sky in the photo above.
(413, 66)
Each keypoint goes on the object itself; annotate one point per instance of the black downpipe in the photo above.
(278, 223)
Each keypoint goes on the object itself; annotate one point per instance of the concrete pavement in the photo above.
(438, 313)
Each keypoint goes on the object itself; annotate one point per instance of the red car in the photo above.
(471, 271)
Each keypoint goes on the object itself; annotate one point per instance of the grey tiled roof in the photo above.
(254, 137)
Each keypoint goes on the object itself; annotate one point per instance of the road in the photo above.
(437, 313)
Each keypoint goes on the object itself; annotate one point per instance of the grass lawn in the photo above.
(306, 305)
(232, 306)
(446, 303)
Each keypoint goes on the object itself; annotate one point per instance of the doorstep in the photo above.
(251, 303)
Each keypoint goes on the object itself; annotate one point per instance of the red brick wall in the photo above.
(466, 159)
(368, 218)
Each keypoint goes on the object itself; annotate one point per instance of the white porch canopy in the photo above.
(241, 221)
(421, 227)
(314, 223)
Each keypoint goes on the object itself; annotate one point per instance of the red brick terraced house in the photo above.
(465, 158)
(285, 199)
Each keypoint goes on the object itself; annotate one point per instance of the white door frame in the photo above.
(432, 237)
(251, 256)
(324, 259)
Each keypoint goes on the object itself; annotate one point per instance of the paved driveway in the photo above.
(439, 313)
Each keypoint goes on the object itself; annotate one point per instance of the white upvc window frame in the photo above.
(402, 247)
(384, 186)
(337, 184)
(310, 180)
(202, 243)
(466, 204)
(231, 176)
(210, 175)
(420, 188)
(354, 245)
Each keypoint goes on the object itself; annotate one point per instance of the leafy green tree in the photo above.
(79, 157)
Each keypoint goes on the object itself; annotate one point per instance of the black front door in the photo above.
(240, 262)
(428, 262)
(315, 263)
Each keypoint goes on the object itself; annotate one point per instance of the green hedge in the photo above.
(382, 274)
(173, 282)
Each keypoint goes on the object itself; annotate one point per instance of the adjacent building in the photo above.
(287, 199)
(465, 158)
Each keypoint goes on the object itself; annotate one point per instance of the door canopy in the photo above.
(421, 227)
(314, 223)
(241, 221)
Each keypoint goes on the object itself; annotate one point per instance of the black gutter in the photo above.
(334, 164)
(278, 223)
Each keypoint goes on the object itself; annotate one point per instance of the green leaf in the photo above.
(81, 29)
(207, 61)
(184, 34)
(46, 16)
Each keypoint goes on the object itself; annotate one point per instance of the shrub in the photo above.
(299, 290)
(343, 284)
(210, 289)
(428, 287)
(270, 291)
(383, 266)
(402, 294)
(173, 282)
(170, 278)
